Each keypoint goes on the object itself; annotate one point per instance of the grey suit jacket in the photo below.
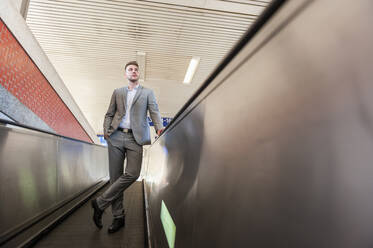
(143, 101)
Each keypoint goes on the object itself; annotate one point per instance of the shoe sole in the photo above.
(109, 231)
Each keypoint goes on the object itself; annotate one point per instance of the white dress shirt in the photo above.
(126, 121)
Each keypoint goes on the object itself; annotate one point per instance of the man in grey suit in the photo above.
(126, 130)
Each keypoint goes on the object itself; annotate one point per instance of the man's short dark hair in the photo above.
(131, 63)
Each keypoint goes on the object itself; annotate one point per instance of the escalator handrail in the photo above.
(15, 123)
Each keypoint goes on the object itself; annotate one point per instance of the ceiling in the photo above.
(90, 41)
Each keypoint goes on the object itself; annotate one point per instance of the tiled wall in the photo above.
(13, 108)
(21, 78)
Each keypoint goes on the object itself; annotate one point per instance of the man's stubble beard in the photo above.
(133, 80)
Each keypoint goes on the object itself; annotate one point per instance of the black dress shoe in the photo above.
(97, 214)
(118, 223)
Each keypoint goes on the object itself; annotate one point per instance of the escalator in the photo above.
(78, 230)
(274, 150)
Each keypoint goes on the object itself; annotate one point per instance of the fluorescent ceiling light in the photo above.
(191, 70)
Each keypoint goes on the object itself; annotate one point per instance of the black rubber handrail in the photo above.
(251, 32)
(15, 123)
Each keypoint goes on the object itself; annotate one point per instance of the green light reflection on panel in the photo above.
(28, 188)
(51, 180)
(168, 225)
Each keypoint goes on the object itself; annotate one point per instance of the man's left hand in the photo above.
(160, 131)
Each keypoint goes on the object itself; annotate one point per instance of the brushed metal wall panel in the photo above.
(279, 154)
(27, 176)
(171, 169)
(99, 167)
(78, 167)
(72, 172)
(38, 171)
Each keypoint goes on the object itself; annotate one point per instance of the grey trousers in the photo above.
(120, 146)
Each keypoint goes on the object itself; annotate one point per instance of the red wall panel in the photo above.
(21, 77)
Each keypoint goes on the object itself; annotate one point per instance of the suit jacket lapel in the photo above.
(125, 98)
(138, 92)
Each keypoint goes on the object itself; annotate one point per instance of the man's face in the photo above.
(132, 73)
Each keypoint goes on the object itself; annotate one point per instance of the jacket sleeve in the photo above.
(110, 113)
(154, 111)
